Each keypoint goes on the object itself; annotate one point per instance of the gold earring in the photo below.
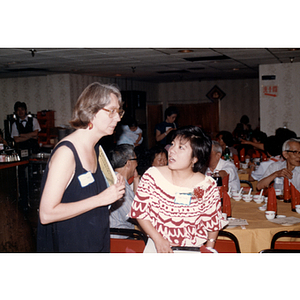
(90, 126)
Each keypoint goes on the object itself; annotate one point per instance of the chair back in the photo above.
(279, 251)
(229, 245)
(134, 241)
(288, 245)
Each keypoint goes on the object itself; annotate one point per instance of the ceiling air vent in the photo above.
(207, 58)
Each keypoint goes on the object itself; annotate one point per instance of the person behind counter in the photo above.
(25, 129)
(73, 214)
(163, 129)
(2, 140)
(177, 205)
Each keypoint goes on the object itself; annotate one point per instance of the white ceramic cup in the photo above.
(258, 198)
(270, 214)
(237, 198)
(297, 207)
(224, 216)
(247, 198)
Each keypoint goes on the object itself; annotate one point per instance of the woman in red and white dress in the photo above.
(177, 205)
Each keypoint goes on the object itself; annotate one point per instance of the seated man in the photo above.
(124, 162)
(225, 138)
(273, 148)
(290, 168)
(216, 163)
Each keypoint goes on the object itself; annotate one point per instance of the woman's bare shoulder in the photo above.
(63, 157)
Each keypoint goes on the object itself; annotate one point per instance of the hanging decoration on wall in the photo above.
(215, 94)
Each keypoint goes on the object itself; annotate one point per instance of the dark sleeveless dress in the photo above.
(88, 232)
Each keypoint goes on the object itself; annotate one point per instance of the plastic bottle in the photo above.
(216, 176)
(227, 153)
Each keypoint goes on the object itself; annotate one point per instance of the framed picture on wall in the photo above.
(215, 94)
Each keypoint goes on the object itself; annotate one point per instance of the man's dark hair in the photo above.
(20, 104)
(120, 155)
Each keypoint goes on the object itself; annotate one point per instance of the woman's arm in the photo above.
(161, 244)
(257, 145)
(212, 237)
(159, 136)
(139, 138)
(61, 170)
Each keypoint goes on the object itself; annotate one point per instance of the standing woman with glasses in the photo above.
(73, 214)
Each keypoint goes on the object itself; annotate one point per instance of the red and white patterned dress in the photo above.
(186, 225)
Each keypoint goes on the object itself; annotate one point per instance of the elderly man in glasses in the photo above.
(289, 168)
(123, 160)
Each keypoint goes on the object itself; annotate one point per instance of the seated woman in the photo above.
(131, 134)
(177, 205)
(156, 156)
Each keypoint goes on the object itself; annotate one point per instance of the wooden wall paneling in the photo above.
(205, 115)
(154, 116)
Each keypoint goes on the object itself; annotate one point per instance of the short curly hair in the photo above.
(92, 99)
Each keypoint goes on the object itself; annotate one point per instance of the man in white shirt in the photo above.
(290, 168)
(273, 148)
(25, 129)
(216, 163)
(123, 160)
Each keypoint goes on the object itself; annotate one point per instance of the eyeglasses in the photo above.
(294, 152)
(114, 111)
(132, 159)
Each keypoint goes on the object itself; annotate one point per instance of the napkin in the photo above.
(295, 199)
(256, 154)
(226, 204)
(286, 221)
(272, 200)
(264, 156)
(286, 189)
(237, 222)
(225, 181)
(236, 161)
(242, 155)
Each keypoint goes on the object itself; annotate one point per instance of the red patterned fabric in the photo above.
(186, 225)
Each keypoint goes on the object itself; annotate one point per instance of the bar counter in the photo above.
(13, 164)
(16, 233)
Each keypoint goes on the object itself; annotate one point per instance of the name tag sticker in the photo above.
(86, 179)
(183, 198)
